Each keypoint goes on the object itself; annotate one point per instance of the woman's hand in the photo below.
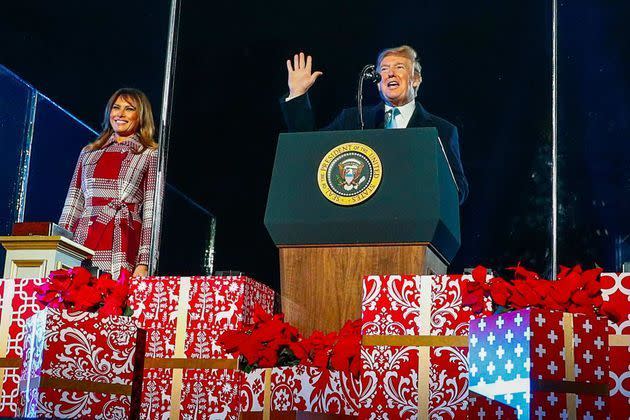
(301, 78)
(141, 270)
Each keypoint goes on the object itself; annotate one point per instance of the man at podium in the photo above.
(401, 77)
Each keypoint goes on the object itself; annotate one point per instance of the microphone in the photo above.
(368, 73)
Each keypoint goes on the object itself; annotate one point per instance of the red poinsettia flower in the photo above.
(580, 288)
(526, 288)
(597, 301)
(298, 349)
(351, 329)
(581, 298)
(517, 300)
(552, 304)
(592, 285)
(479, 274)
(563, 272)
(116, 293)
(251, 349)
(268, 357)
(105, 283)
(617, 308)
(522, 273)
(76, 289)
(500, 291)
(575, 290)
(80, 277)
(560, 294)
(260, 315)
(268, 331)
(320, 348)
(571, 282)
(84, 298)
(346, 351)
(54, 292)
(342, 353)
(476, 290)
(270, 341)
(231, 340)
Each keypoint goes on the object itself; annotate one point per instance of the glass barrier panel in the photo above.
(188, 232)
(593, 135)
(58, 138)
(16, 112)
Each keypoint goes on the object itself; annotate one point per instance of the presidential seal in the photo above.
(349, 174)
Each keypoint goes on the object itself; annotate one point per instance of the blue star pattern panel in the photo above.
(515, 353)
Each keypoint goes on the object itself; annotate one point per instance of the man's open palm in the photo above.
(301, 77)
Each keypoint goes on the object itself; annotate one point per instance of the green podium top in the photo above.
(415, 202)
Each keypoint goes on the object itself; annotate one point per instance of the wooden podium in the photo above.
(332, 296)
(410, 225)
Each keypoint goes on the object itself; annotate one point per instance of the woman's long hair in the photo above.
(146, 130)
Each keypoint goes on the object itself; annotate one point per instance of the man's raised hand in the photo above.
(301, 77)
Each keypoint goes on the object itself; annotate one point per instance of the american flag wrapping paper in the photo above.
(545, 364)
(414, 352)
(483, 408)
(616, 289)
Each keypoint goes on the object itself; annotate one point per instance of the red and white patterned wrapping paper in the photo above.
(83, 348)
(206, 393)
(213, 305)
(617, 286)
(408, 305)
(510, 352)
(482, 408)
(17, 304)
(302, 388)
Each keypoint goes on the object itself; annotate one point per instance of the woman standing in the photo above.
(109, 207)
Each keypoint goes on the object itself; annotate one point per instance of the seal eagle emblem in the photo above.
(349, 174)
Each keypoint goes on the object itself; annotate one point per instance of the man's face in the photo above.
(397, 80)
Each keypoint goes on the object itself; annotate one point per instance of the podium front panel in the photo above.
(416, 201)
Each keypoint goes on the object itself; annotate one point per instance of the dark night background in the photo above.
(486, 68)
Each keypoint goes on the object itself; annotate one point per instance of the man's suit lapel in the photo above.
(419, 116)
(374, 116)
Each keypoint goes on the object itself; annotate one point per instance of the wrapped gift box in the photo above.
(619, 382)
(616, 287)
(187, 374)
(81, 364)
(482, 407)
(543, 363)
(299, 389)
(414, 347)
(17, 304)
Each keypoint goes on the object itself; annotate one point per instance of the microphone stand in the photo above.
(369, 73)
